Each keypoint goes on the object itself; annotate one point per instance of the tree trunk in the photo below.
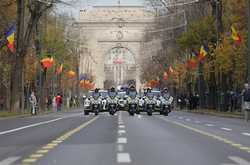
(17, 71)
(17, 85)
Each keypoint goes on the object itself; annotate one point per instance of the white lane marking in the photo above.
(120, 148)
(121, 126)
(246, 134)
(188, 120)
(237, 161)
(122, 140)
(9, 160)
(29, 126)
(198, 122)
(210, 125)
(226, 129)
(121, 131)
(123, 158)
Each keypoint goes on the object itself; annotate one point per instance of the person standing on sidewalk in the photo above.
(33, 102)
(58, 102)
(246, 102)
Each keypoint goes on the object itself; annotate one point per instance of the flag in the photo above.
(235, 35)
(165, 76)
(83, 77)
(171, 70)
(59, 70)
(192, 63)
(203, 53)
(71, 74)
(10, 36)
(47, 62)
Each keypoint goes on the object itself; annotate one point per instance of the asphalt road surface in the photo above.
(74, 139)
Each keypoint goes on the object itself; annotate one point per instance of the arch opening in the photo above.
(119, 67)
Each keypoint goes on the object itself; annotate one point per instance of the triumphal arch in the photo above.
(112, 39)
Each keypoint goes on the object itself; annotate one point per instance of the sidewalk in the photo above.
(237, 115)
(9, 115)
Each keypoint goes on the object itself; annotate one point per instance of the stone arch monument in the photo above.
(112, 37)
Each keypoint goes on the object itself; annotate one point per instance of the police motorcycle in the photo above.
(95, 103)
(166, 103)
(104, 100)
(122, 100)
(112, 102)
(87, 103)
(132, 101)
(150, 103)
(141, 104)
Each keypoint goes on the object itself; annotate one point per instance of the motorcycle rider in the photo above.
(150, 102)
(96, 101)
(132, 101)
(112, 101)
(166, 102)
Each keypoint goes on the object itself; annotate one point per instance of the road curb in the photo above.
(42, 113)
(213, 114)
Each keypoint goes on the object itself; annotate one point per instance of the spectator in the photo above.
(33, 102)
(246, 102)
(58, 102)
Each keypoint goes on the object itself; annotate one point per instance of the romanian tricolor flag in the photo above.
(59, 70)
(10, 36)
(235, 35)
(203, 53)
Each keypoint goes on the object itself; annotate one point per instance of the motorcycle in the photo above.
(132, 107)
(166, 105)
(112, 106)
(122, 100)
(150, 106)
(141, 105)
(96, 106)
(87, 106)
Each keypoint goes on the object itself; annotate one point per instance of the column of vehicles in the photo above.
(111, 101)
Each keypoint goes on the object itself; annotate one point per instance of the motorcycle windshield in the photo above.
(96, 95)
(132, 95)
(112, 94)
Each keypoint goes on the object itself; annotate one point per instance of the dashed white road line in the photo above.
(226, 129)
(246, 134)
(121, 126)
(123, 158)
(121, 132)
(122, 140)
(210, 125)
(188, 119)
